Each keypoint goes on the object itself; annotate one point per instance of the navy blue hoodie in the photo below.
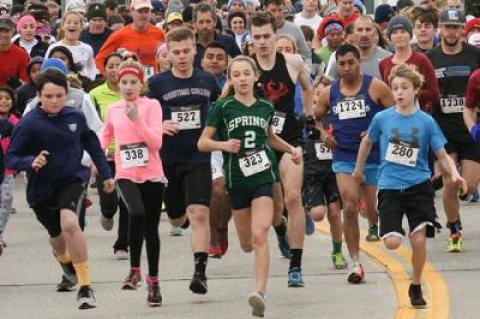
(65, 136)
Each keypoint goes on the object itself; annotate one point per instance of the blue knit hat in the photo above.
(53, 63)
(230, 2)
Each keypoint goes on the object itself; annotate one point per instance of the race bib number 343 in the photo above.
(134, 155)
(187, 117)
(254, 162)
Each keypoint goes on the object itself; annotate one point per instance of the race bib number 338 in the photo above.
(134, 155)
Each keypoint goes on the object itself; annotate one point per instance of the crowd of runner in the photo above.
(276, 113)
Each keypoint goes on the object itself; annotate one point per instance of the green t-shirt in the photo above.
(255, 164)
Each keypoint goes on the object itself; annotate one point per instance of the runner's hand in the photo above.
(358, 177)
(108, 185)
(40, 161)
(459, 181)
(296, 155)
(131, 110)
(170, 128)
(330, 141)
(232, 145)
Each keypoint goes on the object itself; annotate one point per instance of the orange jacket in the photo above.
(144, 44)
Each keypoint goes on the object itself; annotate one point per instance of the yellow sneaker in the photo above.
(455, 243)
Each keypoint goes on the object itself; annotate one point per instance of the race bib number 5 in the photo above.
(351, 107)
(134, 155)
(402, 153)
(452, 104)
(254, 162)
(323, 153)
(187, 117)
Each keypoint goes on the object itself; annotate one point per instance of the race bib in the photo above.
(452, 104)
(187, 117)
(402, 153)
(351, 107)
(323, 153)
(278, 122)
(148, 71)
(134, 155)
(254, 162)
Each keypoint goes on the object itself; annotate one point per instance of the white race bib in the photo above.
(278, 122)
(187, 117)
(134, 155)
(402, 153)
(452, 104)
(254, 162)
(351, 108)
(323, 153)
(148, 71)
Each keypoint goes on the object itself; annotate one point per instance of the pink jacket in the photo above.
(6, 141)
(130, 156)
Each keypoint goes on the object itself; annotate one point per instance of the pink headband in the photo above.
(131, 70)
(24, 20)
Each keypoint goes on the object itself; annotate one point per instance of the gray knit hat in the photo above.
(397, 23)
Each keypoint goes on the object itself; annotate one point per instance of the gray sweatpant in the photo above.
(6, 200)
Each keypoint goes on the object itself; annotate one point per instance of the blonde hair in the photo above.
(288, 37)
(408, 72)
(72, 13)
(228, 90)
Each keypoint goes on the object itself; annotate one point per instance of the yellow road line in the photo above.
(395, 270)
(438, 296)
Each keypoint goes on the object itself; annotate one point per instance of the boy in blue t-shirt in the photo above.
(406, 134)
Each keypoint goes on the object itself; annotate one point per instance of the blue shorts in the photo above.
(370, 171)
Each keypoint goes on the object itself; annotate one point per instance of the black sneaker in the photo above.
(416, 297)
(66, 285)
(68, 270)
(86, 298)
(198, 285)
(154, 297)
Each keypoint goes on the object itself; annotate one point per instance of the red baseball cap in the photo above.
(472, 25)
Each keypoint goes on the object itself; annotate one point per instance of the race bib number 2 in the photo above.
(254, 162)
(187, 117)
(402, 153)
(134, 155)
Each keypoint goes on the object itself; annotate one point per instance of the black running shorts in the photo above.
(71, 196)
(241, 198)
(416, 202)
(188, 184)
(320, 190)
(465, 151)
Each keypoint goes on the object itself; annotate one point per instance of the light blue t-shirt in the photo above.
(405, 141)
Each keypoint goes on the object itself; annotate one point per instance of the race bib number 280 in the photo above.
(402, 153)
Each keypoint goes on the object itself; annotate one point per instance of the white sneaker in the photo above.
(107, 223)
(121, 254)
(176, 231)
(257, 302)
(356, 274)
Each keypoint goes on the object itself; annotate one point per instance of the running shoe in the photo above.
(416, 297)
(295, 278)
(154, 297)
(176, 231)
(475, 197)
(455, 243)
(309, 224)
(283, 242)
(256, 300)
(86, 298)
(198, 284)
(66, 285)
(133, 281)
(121, 254)
(107, 223)
(372, 235)
(356, 274)
(339, 261)
(69, 272)
(215, 251)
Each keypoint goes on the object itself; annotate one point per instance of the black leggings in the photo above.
(109, 203)
(143, 202)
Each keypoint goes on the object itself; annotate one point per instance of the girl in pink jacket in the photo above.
(136, 125)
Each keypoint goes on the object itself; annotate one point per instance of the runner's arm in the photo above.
(206, 142)
(307, 91)
(363, 151)
(381, 93)
(469, 117)
(323, 103)
(278, 143)
(449, 169)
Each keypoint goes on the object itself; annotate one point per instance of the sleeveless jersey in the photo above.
(277, 86)
(256, 163)
(351, 115)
